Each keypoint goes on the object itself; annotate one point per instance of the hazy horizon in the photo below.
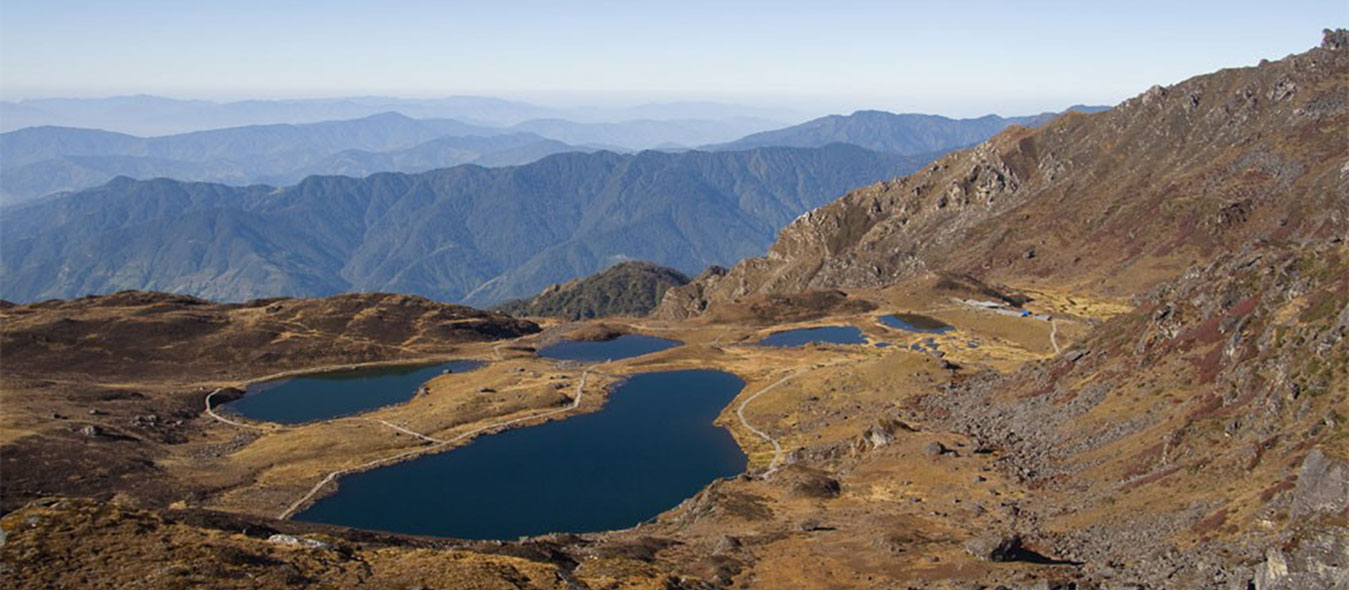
(982, 58)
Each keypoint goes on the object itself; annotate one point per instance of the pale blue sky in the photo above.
(958, 58)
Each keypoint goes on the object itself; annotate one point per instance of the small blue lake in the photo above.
(322, 396)
(651, 446)
(625, 346)
(826, 334)
(913, 322)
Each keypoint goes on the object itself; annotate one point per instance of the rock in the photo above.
(1322, 485)
(1335, 38)
(282, 539)
(1029, 254)
(1272, 572)
(1076, 354)
(1316, 560)
(486, 390)
(882, 432)
(726, 544)
(978, 478)
(92, 430)
(994, 548)
(934, 449)
(878, 437)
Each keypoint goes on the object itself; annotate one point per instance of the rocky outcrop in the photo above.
(1322, 486)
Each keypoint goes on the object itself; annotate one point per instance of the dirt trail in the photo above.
(275, 427)
(740, 413)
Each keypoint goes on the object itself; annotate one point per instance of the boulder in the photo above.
(726, 544)
(1322, 485)
(994, 548)
(292, 540)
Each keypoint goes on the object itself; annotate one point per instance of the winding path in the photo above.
(1053, 335)
(332, 476)
(211, 412)
(274, 428)
(740, 413)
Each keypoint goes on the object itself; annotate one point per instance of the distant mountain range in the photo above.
(155, 115)
(39, 161)
(906, 134)
(467, 233)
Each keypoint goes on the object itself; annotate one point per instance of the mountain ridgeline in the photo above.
(1223, 161)
(43, 160)
(628, 288)
(465, 233)
(907, 134)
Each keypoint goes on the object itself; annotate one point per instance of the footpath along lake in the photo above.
(323, 396)
(651, 446)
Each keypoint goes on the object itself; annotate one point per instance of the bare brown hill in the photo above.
(1112, 202)
(169, 332)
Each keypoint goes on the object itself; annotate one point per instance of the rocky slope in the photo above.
(1197, 441)
(1115, 201)
(627, 288)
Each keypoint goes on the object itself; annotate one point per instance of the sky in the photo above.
(954, 58)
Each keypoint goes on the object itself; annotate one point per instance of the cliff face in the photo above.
(1114, 202)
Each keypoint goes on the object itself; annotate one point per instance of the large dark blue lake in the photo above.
(322, 396)
(803, 336)
(625, 346)
(913, 322)
(650, 447)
